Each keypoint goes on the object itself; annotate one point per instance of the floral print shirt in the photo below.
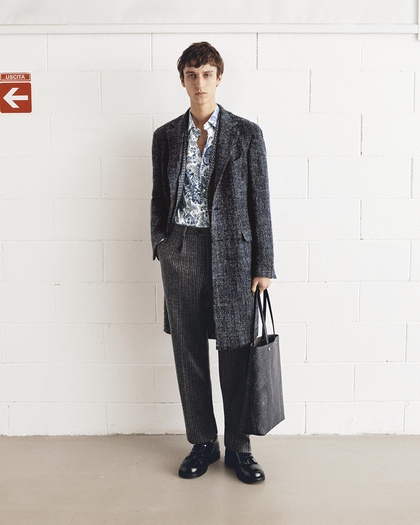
(192, 208)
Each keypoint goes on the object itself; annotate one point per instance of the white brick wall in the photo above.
(82, 347)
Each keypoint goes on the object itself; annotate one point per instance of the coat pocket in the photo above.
(247, 235)
(236, 164)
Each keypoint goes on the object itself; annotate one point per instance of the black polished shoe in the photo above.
(247, 469)
(200, 457)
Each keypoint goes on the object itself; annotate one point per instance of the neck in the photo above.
(202, 113)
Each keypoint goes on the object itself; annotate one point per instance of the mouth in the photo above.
(201, 93)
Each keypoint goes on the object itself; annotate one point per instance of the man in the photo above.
(211, 231)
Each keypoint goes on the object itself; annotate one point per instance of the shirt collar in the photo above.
(212, 121)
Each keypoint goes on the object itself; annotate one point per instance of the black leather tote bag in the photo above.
(262, 405)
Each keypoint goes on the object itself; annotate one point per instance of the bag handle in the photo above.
(257, 305)
(267, 299)
(263, 313)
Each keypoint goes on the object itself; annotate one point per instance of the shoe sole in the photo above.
(212, 459)
(245, 480)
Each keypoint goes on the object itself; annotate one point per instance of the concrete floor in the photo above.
(133, 479)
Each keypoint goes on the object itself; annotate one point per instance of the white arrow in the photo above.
(10, 97)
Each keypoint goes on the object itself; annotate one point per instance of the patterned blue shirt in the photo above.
(193, 207)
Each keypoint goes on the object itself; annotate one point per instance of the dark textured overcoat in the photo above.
(240, 217)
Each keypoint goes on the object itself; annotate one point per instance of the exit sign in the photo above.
(15, 93)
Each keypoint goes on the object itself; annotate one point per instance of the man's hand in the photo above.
(262, 282)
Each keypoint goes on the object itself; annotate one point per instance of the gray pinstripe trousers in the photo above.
(185, 259)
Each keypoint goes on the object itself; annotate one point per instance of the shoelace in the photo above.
(246, 458)
(199, 450)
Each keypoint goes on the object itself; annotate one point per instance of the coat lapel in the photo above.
(226, 139)
(177, 136)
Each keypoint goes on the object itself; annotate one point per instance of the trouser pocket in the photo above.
(159, 246)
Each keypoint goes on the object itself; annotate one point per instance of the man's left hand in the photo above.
(262, 282)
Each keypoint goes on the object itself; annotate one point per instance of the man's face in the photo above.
(201, 82)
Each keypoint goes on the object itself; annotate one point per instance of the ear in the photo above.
(218, 80)
(182, 80)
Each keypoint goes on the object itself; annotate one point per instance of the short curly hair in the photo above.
(199, 54)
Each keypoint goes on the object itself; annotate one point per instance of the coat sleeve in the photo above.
(158, 207)
(259, 208)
